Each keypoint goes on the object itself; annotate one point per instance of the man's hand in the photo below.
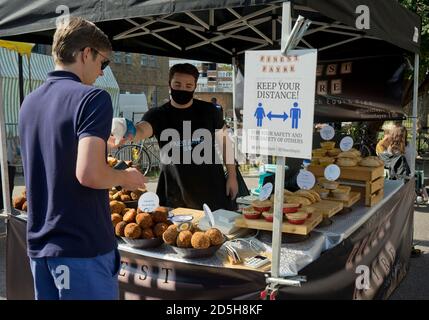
(111, 142)
(232, 186)
(134, 179)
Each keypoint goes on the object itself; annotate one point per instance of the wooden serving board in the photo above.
(327, 208)
(353, 198)
(197, 214)
(261, 224)
(352, 173)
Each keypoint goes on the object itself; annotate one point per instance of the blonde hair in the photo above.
(397, 140)
(77, 34)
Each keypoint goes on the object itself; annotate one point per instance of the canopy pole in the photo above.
(7, 210)
(280, 173)
(234, 95)
(415, 103)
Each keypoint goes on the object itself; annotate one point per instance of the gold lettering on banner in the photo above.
(336, 86)
(346, 68)
(322, 88)
(331, 70)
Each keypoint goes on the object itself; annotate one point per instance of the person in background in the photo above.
(394, 152)
(217, 105)
(64, 126)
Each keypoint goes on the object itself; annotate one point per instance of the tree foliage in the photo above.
(421, 7)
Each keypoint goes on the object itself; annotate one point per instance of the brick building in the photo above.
(141, 73)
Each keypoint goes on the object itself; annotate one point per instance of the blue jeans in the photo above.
(58, 278)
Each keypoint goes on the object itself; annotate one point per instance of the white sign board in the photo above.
(278, 107)
(148, 202)
(346, 143)
(327, 133)
(305, 180)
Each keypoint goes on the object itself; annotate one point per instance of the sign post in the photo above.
(279, 93)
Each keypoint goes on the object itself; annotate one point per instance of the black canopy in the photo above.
(218, 30)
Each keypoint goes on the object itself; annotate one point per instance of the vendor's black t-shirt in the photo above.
(186, 182)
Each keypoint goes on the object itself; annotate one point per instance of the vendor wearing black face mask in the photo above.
(192, 172)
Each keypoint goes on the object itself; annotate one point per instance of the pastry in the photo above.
(160, 215)
(148, 234)
(132, 231)
(130, 216)
(159, 229)
(215, 236)
(326, 161)
(144, 220)
(334, 152)
(119, 229)
(347, 162)
(116, 206)
(116, 218)
(200, 240)
(184, 239)
(330, 185)
(328, 145)
(170, 235)
(306, 194)
(371, 161)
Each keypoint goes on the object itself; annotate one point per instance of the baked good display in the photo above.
(116, 218)
(262, 206)
(319, 152)
(371, 161)
(333, 152)
(159, 229)
(144, 220)
(170, 235)
(307, 194)
(347, 162)
(341, 193)
(160, 214)
(200, 240)
(328, 145)
(251, 213)
(147, 233)
(116, 206)
(130, 216)
(125, 195)
(298, 199)
(216, 237)
(132, 231)
(326, 161)
(297, 217)
(184, 239)
(120, 228)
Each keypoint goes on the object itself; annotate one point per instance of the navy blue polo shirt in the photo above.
(65, 219)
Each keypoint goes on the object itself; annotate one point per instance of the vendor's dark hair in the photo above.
(186, 68)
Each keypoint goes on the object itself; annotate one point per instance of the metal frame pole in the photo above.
(280, 176)
(415, 104)
(234, 74)
(3, 159)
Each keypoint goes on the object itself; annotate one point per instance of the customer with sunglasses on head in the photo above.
(63, 127)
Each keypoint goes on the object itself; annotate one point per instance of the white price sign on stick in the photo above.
(306, 180)
(332, 172)
(327, 133)
(148, 202)
(346, 144)
(266, 191)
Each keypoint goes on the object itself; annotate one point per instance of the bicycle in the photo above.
(139, 154)
(362, 140)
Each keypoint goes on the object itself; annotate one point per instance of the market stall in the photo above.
(223, 31)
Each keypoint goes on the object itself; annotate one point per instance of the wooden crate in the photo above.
(372, 180)
(261, 224)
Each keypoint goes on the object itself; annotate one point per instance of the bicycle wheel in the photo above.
(137, 154)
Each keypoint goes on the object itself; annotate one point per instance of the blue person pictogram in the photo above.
(295, 114)
(259, 115)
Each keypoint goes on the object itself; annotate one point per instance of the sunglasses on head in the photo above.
(104, 63)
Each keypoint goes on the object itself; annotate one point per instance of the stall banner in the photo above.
(278, 111)
(366, 88)
(369, 264)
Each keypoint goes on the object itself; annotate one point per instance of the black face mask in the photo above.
(181, 96)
